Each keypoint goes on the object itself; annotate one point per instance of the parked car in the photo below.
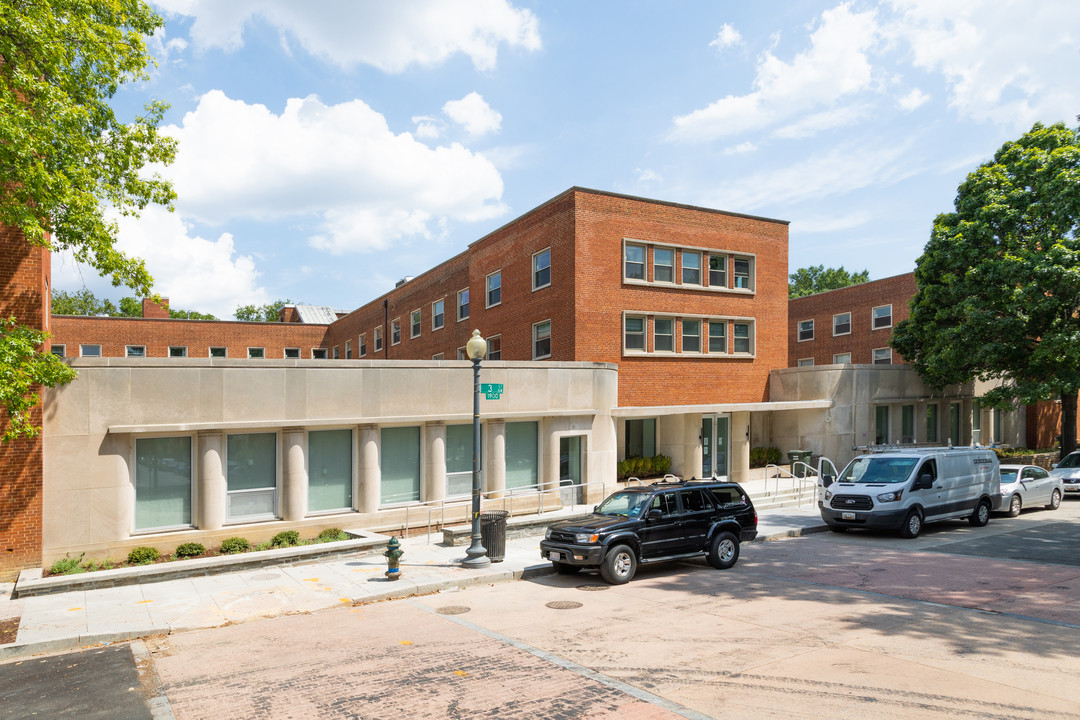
(651, 523)
(1069, 472)
(1025, 486)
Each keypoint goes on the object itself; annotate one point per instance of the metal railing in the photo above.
(809, 475)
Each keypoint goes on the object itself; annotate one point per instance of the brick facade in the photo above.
(859, 301)
(24, 295)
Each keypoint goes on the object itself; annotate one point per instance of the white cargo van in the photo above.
(904, 488)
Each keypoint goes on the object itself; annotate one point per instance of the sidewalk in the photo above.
(69, 620)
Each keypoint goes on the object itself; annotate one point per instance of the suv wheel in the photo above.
(724, 551)
(981, 515)
(619, 565)
(566, 568)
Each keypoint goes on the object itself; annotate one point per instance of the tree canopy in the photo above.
(65, 158)
(999, 281)
(818, 278)
(84, 302)
(261, 313)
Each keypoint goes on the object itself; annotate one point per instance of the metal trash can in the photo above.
(797, 456)
(493, 533)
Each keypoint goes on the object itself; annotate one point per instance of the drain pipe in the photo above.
(386, 328)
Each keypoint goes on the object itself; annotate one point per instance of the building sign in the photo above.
(492, 391)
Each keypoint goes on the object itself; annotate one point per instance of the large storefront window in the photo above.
(329, 470)
(162, 482)
(522, 454)
(251, 476)
(459, 453)
(641, 438)
(400, 464)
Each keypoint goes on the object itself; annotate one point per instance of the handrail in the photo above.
(809, 475)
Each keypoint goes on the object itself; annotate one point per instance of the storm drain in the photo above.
(452, 610)
(592, 588)
(563, 605)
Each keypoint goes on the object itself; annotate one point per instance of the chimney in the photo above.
(151, 309)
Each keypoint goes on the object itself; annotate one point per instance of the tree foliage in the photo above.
(818, 278)
(261, 313)
(84, 302)
(22, 367)
(999, 281)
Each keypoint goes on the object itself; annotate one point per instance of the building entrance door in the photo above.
(570, 469)
(714, 446)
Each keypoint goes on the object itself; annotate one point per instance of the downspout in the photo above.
(386, 328)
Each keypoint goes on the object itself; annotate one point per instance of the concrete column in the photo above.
(434, 484)
(495, 462)
(549, 454)
(692, 455)
(294, 500)
(369, 472)
(739, 430)
(211, 491)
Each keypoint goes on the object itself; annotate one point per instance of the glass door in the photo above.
(570, 469)
(714, 446)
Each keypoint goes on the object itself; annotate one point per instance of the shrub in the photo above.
(143, 555)
(762, 456)
(285, 538)
(190, 549)
(332, 535)
(235, 545)
(264, 546)
(643, 467)
(67, 566)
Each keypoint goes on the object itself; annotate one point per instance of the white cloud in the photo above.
(743, 147)
(646, 176)
(835, 66)
(813, 124)
(913, 100)
(388, 35)
(427, 127)
(340, 163)
(1005, 61)
(727, 37)
(193, 272)
(473, 112)
(831, 223)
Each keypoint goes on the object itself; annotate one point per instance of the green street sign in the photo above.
(492, 391)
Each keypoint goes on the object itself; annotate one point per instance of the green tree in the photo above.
(64, 156)
(261, 313)
(999, 281)
(818, 278)
(22, 367)
(84, 302)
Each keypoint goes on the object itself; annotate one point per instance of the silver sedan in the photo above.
(1069, 472)
(1024, 486)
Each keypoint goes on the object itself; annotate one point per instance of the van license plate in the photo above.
(847, 516)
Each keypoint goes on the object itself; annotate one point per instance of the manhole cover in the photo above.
(592, 588)
(563, 605)
(266, 576)
(452, 610)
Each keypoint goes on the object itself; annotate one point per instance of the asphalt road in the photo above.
(961, 622)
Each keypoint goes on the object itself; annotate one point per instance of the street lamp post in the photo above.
(476, 555)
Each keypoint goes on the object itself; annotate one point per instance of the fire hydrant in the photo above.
(393, 554)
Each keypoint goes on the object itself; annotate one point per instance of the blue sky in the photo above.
(330, 148)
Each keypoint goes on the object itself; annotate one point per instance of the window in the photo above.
(459, 459)
(932, 423)
(841, 359)
(542, 269)
(881, 424)
(718, 271)
(522, 454)
(494, 348)
(542, 340)
(89, 351)
(219, 352)
(337, 352)
(841, 324)
(329, 470)
(882, 317)
(743, 341)
(256, 353)
(318, 353)
(462, 355)
(640, 438)
(378, 338)
(999, 427)
(494, 288)
(162, 483)
(292, 353)
(251, 476)
(58, 350)
(742, 273)
(883, 356)
(135, 351)
(348, 349)
(717, 336)
(806, 330)
(399, 460)
(691, 268)
(634, 333)
(663, 334)
(663, 265)
(362, 347)
(954, 423)
(414, 324)
(806, 362)
(691, 336)
(907, 423)
(463, 304)
(437, 314)
(634, 262)
(395, 331)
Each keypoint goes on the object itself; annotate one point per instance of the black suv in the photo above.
(650, 523)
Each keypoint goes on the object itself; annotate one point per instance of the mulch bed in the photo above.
(8, 630)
